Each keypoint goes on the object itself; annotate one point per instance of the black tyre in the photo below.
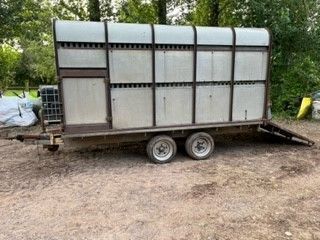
(51, 148)
(199, 145)
(161, 149)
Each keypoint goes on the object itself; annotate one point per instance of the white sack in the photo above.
(16, 112)
(316, 110)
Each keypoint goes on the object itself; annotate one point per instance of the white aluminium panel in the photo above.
(84, 100)
(174, 66)
(83, 31)
(131, 107)
(173, 106)
(214, 36)
(165, 34)
(251, 66)
(252, 37)
(212, 103)
(248, 102)
(130, 66)
(76, 31)
(129, 33)
(82, 58)
(214, 66)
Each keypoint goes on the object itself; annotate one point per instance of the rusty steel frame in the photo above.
(176, 47)
(154, 112)
(234, 40)
(194, 76)
(59, 78)
(275, 129)
(268, 78)
(107, 80)
(93, 128)
(80, 72)
(145, 136)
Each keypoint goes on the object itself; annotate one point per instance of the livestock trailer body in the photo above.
(123, 82)
(128, 76)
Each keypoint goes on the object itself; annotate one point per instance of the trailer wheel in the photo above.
(199, 145)
(161, 149)
(51, 148)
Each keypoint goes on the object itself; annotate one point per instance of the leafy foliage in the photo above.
(296, 42)
(137, 11)
(10, 18)
(299, 79)
(207, 13)
(9, 58)
(26, 27)
(39, 62)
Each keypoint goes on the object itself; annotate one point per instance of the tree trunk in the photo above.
(162, 11)
(94, 10)
(215, 12)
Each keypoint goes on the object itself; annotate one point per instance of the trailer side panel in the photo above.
(124, 76)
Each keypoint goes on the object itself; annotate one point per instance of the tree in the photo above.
(136, 11)
(108, 10)
(40, 61)
(296, 42)
(10, 18)
(207, 13)
(180, 11)
(30, 37)
(71, 9)
(27, 31)
(94, 10)
(9, 58)
(154, 11)
(162, 11)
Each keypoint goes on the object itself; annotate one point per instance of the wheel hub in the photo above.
(162, 150)
(201, 147)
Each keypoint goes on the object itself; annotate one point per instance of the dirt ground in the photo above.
(248, 189)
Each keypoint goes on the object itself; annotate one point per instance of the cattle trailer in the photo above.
(122, 82)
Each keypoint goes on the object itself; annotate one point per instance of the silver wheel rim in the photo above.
(201, 147)
(162, 150)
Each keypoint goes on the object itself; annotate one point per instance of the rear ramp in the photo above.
(276, 130)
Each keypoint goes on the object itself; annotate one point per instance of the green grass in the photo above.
(10, 93)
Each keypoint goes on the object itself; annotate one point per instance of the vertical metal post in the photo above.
(55, 48)
(268, 78)
(234, 40)
(107, 79)
(154, 117)
(194, 82)
(59, 78)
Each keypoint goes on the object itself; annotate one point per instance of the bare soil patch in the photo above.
(248, 189)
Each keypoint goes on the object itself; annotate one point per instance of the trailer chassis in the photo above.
(53, 138)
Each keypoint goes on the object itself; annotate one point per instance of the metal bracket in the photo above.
(107, 80)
